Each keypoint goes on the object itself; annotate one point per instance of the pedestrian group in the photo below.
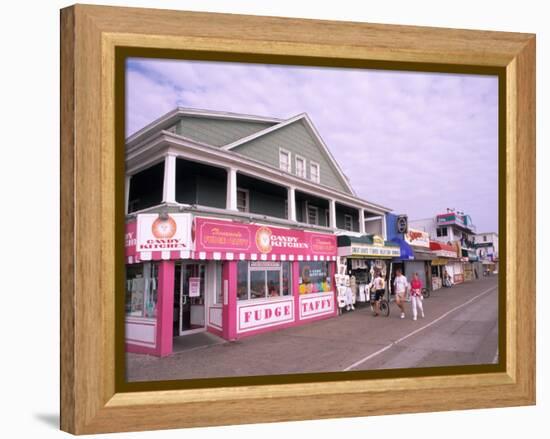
(401, 285)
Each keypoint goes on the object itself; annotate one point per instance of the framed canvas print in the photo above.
(291, 219)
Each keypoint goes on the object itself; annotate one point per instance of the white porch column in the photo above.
(231, 197)
(127, 193)
(169, 188)
(291, 202)
(384, 227)
(361, 221)
(332, 214)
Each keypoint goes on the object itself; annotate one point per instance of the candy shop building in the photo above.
(231, 227)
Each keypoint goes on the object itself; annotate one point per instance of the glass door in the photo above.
(191, 298)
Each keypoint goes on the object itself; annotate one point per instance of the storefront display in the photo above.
(187, 274)
(364, 256)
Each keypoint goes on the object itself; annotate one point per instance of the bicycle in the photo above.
(383, 303)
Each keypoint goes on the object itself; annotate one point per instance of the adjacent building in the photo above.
(454, 228)
(231, 226)
(486, 245)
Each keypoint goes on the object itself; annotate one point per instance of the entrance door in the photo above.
(192, 310)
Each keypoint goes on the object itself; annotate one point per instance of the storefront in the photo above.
(362, 256)
(444, 263)
(233, 279)
(421, 263)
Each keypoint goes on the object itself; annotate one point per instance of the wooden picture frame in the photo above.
(91, 401)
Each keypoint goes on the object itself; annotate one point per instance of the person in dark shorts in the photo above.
(379, 290)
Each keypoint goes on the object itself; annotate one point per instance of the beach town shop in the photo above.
(187, 274)
(363, 256)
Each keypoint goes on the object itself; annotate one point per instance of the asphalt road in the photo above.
(460, 328)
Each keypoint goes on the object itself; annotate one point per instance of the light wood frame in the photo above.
(89, 36)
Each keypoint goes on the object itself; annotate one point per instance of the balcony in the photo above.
(180, 183)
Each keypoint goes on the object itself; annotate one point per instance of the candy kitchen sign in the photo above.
(213, 235)
(418, 238)
(152, 235)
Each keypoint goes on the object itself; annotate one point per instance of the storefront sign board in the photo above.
(213, 235)
(252, 316)
(313, 305)
(417, 238)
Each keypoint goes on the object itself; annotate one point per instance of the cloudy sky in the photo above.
(414, 142)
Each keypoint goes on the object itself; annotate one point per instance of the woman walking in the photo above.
(416, 296)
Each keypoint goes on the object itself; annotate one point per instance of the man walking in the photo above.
(400, 287)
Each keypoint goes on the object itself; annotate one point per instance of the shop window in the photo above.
(348, 222)
(284, 160)
(243, 200)
(442, 231)
(314, 277)
(260, 280)
(142, 290)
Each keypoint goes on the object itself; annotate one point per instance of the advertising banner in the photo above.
(212, 235)
(154, 236)
(418, 238)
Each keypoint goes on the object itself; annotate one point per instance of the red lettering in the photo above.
(268, 313)
(247, 316)
(278, 312)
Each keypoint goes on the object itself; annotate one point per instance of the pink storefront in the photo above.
(234, 279)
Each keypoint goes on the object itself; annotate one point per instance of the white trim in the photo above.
(217, 256)
(289, 167)
(202, 255)
(229, 256)
(231, 189)
(242, 256)
(165, 255)
(169, 181)
(296, 159)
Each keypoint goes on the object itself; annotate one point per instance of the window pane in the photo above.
(218, 282)
(314, 277)
(242, 280)
(141, 290)
(287, 281)
(312, 215)
(257, 284)
(274, 283)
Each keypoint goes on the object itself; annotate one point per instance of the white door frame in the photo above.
(197, 330)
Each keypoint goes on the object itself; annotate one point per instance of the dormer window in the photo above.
(314, 172)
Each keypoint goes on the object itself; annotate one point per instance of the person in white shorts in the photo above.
(400, 284)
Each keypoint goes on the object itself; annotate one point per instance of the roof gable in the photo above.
(300, 137)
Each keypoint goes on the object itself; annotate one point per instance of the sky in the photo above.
(415, 142)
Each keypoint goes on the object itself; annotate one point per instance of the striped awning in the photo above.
(222, 256)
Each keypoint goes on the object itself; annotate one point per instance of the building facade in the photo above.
(231, 226)
(454, 228)
(486, 245)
